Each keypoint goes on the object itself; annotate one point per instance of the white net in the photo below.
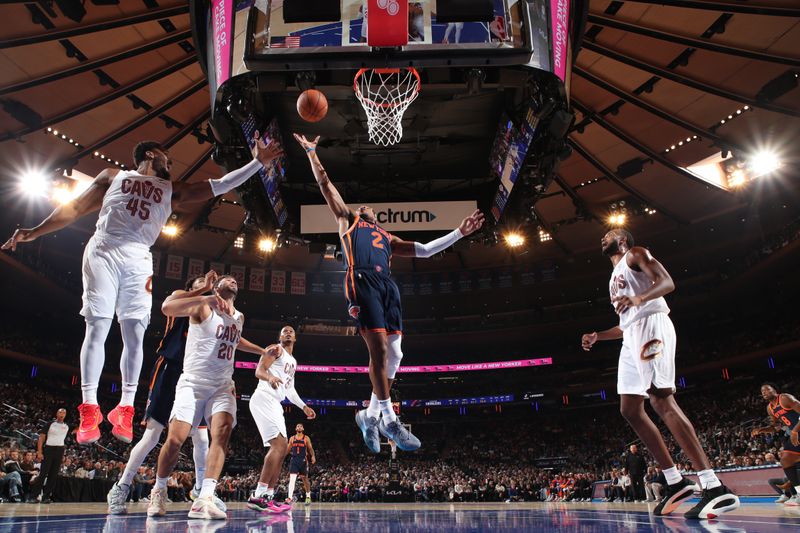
(385, 95)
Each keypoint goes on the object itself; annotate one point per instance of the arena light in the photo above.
(62, 194)
(34, 182)
(170, 230)
(544, 236)
(617, 219)
(514, 239)
(266, 245)
(238, 242)
(764, 162)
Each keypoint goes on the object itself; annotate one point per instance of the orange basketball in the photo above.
(312, 106)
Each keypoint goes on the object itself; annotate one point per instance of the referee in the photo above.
(50, 451)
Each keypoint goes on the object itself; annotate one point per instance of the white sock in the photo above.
(708, 479)
(292, 480)
(93, 356)
(374, 408)
(672, 475)
(387, 411)
(209, 485)
(199, 453)
(139, 452)
(130, 363)
(161, 482)
(261, 489)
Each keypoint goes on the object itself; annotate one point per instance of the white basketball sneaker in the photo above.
(116, 499)
(205, 509)
(158, 502)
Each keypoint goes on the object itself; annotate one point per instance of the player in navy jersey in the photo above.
(784, 413)
(374, 300)
(301, 453)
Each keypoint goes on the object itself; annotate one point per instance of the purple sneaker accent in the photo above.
(258, 504)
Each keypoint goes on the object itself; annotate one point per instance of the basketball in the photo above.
(312, 106)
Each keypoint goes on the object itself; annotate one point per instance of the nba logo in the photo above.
(354, 311)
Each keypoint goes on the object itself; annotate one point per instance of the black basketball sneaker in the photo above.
(674, 496)
(713, 503)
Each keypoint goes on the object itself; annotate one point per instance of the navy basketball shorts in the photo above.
(298, 467)
(789, 447)
(162, 390)
(373, 300)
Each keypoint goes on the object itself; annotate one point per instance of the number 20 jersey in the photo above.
(210, 347)
(135, 208)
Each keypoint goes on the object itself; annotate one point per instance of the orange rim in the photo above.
(363, 98)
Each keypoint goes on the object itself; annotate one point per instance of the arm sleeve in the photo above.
(437, 245)
(293, 397)
(233, 179)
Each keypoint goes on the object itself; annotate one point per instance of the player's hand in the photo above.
(309, 412)
(313, 460)
(795, 438)
(588, 340)
(39, 456)
(472, 223)
(274, 381)
(215, 301)
(20, 235)
(210, 279)
(308, 146)
(623, 303)
(265, 152)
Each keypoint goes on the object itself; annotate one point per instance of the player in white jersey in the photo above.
(647, 369)
(117, 266)
(276, 382)
(205, 389)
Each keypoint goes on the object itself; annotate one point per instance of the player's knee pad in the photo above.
(394, 354)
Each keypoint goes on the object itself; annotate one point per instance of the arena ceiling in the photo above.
(650, 77)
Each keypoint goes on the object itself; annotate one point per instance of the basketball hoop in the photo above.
(385, 94)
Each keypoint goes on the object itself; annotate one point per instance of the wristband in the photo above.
(308, 150)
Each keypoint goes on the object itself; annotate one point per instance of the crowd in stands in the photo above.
(516, 456)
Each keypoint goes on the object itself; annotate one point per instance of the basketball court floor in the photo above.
(754, 516)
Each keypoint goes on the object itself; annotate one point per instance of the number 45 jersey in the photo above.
(210, 347)
(117, 264)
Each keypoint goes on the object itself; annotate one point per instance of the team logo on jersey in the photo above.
(354, 311)
(651, 350)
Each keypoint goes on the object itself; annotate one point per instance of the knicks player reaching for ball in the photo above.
(204, 390)
(647, 369)
(374, 299)
(117, 265)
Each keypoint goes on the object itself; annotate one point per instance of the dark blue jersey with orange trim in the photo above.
(367, 246)
(173, 344)
(298, 448)
(787, 417)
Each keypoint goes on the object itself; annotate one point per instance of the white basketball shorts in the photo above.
(647, 358)
(198, 398)
(268, 415)
(117, 278)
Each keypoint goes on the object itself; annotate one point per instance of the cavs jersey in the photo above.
(628, 282)
(211, 345)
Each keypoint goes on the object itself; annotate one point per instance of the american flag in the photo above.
(292, 41)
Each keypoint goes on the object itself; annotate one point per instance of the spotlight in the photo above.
(544, 236)
(170, 230)
(238, 242)
(617, 219)
(62, 194)
(266, 245)
(34, 183)
(764, 162)
(514, 240)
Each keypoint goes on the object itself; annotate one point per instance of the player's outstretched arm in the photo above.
(62, 216)
(249, 347)
(640, 259)
(468, 226)
(263, 155)
(198, 307)
(588, 339)
(208, 284)
(332, 196)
